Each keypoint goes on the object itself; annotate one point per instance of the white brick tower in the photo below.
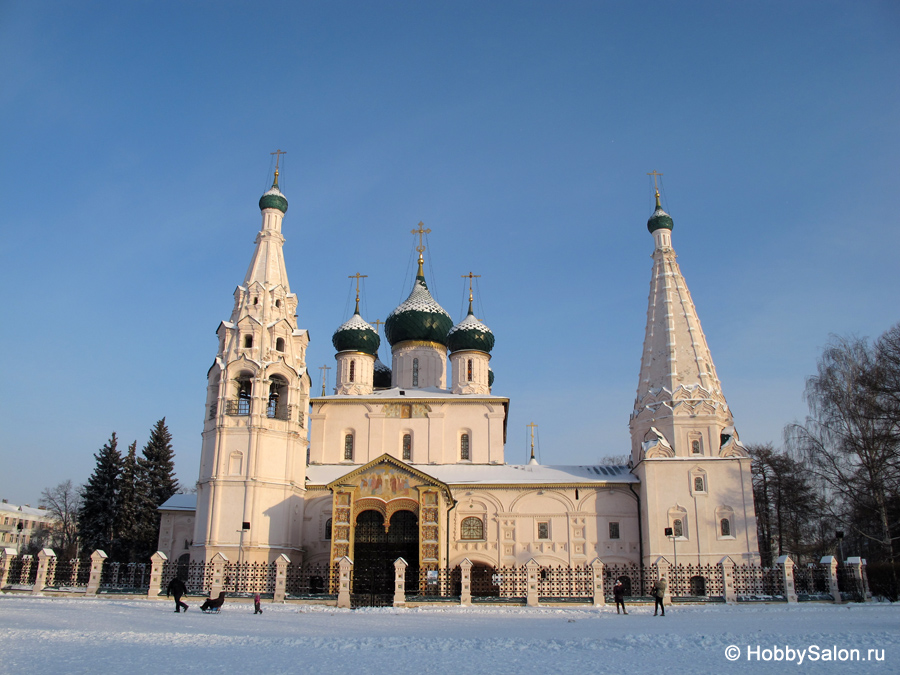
(253, 461)
(694, 472)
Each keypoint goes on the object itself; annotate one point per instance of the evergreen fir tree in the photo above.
(128, 522)
(100, 500)
(156, 482)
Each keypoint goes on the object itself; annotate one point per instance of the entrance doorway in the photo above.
(375, 549)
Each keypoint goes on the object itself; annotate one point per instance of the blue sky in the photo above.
(136, 140)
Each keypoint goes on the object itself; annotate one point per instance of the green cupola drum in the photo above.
(660, 219)
(273, 199)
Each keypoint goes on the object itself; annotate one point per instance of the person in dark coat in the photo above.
(177, 588)
(256, 608)
(210, 605)
(659, 592)
(619, 595)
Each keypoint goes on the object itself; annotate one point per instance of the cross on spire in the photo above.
(470, 276)
(421, 231)
(324, 370)
(278, 153)
(378, 323)
(655, 185)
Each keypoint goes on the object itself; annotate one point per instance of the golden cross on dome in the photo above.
(324, 370)
(655, 186)
(471, 276)
(278, 153)
(358, 276)
(378, 324)
(420, 231)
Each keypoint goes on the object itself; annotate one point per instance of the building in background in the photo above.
(20, 525)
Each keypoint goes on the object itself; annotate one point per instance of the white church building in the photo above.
(408, 461)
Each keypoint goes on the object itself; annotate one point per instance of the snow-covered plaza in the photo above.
(42, 634)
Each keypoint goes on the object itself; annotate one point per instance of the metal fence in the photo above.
(686, 582)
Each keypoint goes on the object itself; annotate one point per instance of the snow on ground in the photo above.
(62, 635)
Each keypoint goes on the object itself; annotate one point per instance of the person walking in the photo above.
(659, 592)
(256, 608)
(619, 595)
(177, 588)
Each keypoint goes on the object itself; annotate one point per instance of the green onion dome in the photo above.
(419, 317)
(470, 333)
(273, 199)
(490, 378)
(382, 375)
(660, 219)
(356, 335)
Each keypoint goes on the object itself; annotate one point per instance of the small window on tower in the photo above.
(407, 446)
(255, 301)
(415, 373)
(695, 446)
(613, 530)
(279, 345)
(348, 447)
(698, 484)
(725, 526)
(469, 370)
(248, 341)
(677, 528)
(352, 370)
(464, 447)
(278, 303)
(328, 529)
(543, 530)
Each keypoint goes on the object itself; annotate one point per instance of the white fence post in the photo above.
(345, 565)
(400, 566)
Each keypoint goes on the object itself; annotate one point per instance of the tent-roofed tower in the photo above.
(253, 459)
(695, 474)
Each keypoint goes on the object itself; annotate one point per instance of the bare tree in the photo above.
(851, 438)
(787, 504)
(63, 503)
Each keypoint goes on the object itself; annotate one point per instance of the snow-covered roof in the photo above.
(24, 510)
(180, 503)
(470, 323)
(420, 300)
(493, 474)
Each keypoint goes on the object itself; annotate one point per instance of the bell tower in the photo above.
(696, 491)
(253, 458)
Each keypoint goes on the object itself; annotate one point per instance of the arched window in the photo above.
(248, 341)
(695, 446)
(348, 447)
(464, 447)
(407, 446)
(415, 373)
(725, 527)
(352, 370)
(698, 484)
(469, 370)
(276, 407)
(472, 528)
(328, 529)
(279, 345)
(278, 303)
(677, 527)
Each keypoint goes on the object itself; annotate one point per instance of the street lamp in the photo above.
(671, 533)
